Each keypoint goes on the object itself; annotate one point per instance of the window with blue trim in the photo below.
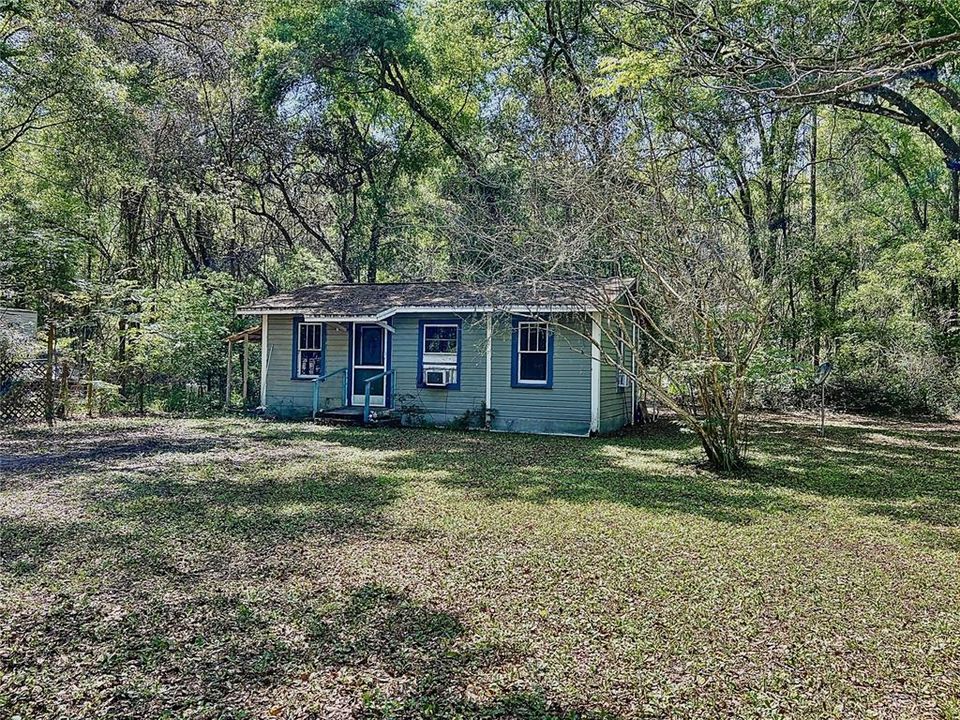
(440, 354)
(533, 355)
(309, 350)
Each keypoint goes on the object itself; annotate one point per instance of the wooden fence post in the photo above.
(64, 406)
(90, 390)
(48, 378)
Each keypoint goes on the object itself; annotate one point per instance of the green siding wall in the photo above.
(294, 398)
(440, 406)
(615, 404)
(564, 408)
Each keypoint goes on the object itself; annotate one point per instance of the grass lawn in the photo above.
(232, 569)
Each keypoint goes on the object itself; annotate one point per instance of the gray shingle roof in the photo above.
(383, 299)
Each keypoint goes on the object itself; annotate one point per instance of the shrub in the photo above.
(906, 381)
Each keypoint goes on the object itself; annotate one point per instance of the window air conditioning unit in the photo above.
(439, 376)
(622, 380)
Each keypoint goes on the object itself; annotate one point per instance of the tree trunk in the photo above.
(722, 442)
(122, 355)
(815, 281)
(955, 229)
(374, 252)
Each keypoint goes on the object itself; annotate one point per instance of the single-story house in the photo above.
(19, 322)
(516, 357)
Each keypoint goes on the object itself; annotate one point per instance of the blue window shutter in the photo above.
(295, 343)
(549, 358)
(514, 358)
(420, 354)
(323, 349)
(456, 385)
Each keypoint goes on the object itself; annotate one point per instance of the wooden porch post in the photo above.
(229, 370)
(246, 365)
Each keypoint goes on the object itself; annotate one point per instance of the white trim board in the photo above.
(264, 361)
(488, 394)
(595, 339)
(633, 380)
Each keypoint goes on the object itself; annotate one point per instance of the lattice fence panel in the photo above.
(22, 392)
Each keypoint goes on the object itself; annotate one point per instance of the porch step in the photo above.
(341, 416)
(351, 415)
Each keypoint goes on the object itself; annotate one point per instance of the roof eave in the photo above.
(311, 314)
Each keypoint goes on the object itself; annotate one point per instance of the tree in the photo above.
(883, 60)
(697, 318)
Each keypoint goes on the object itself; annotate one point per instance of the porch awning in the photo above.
(373, 319)
(252, 334)
(368, 320)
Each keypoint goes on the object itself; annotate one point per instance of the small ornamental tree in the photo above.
(694, 334)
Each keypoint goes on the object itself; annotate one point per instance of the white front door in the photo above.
(369, 359)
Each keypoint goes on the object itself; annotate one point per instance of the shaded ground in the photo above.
(230, 569)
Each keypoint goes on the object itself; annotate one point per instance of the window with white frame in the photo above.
(532, 353)
(309, 350)
(440, 344)
(439, 353)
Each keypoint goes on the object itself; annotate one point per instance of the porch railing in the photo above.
(324, 378)
(366, 392)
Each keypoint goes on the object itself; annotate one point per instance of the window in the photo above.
(309, 363)
(533, 361)
(440, 343)
(440, 351)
